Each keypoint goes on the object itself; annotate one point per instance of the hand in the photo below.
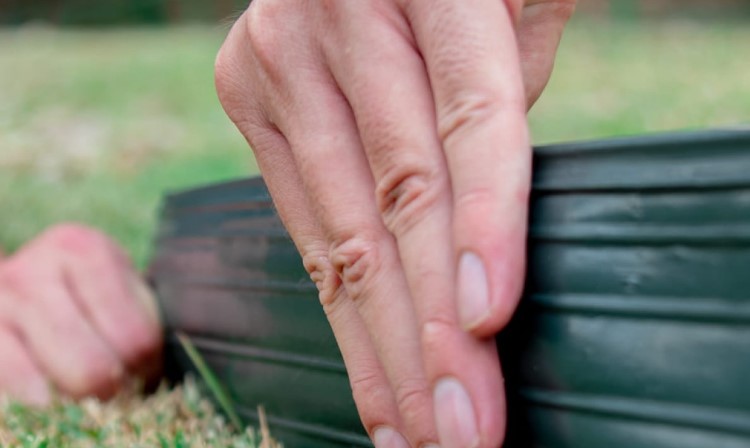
(392, 135)
(75, 315)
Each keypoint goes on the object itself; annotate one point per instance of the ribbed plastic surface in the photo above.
(634, 330)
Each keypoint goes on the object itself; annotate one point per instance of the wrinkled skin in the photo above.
(74, 317)
(392, 135)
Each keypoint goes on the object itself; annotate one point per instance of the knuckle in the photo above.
(76, 238)
(231, 74)
(476, 201)
(239, 80)
(435, 331)
(467, 110)
(261, 32)
(355, 260)
(371, 396)
(324, 276)
(406, 194)
(225, 77)
(365, 381)
(413, 399)
(475, 204)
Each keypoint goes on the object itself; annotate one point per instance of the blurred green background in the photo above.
(107, 105)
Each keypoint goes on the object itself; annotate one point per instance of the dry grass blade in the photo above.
(266, 441)
(220, 394)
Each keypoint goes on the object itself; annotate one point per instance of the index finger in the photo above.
(471, 56)
(472, 60)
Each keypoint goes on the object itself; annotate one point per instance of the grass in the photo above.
(623, 78)
(95, 126)
(214, 385)
(170, 418)
(176, 418)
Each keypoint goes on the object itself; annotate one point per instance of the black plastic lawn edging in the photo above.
(634, 329)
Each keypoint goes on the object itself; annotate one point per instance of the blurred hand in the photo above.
(392, 135)
(74, 315)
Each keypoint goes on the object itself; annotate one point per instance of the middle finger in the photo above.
(392, 102)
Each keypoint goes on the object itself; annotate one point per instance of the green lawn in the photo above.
(96, 126)
(177, 418)
(628, 78)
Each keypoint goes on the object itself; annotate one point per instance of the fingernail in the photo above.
(473, 291)
(386, 437)
(454, 415)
